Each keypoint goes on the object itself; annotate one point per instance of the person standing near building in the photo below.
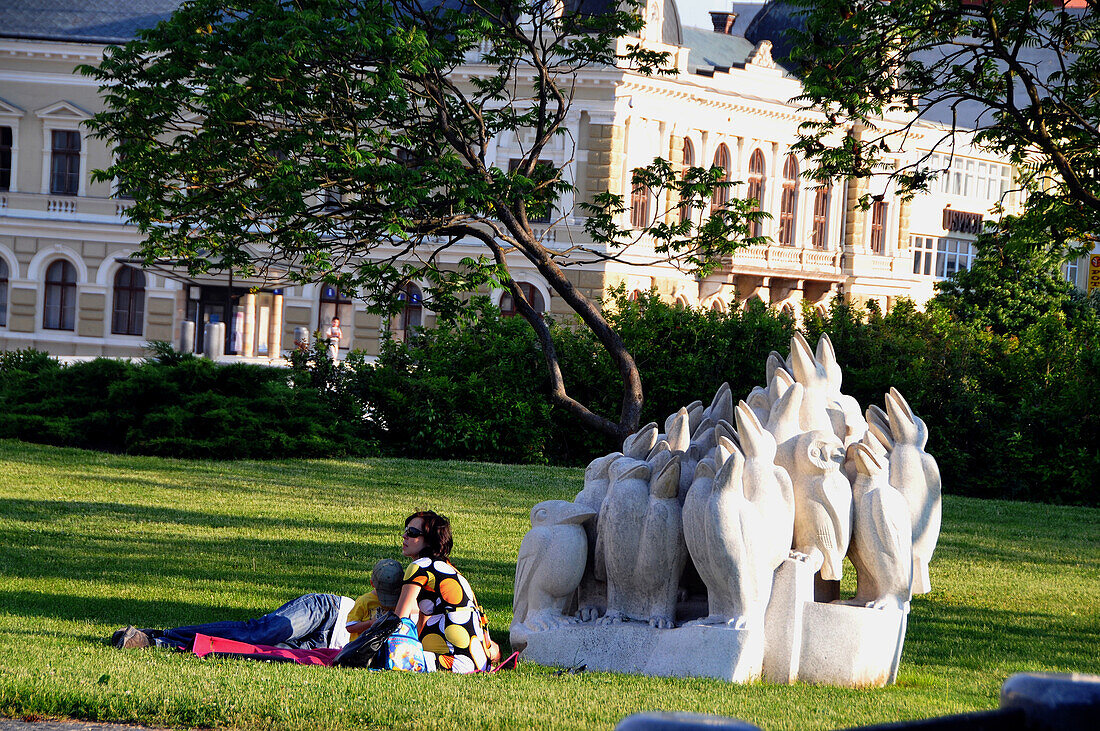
(332, 336)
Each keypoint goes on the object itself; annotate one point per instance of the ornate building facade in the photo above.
(69, 284)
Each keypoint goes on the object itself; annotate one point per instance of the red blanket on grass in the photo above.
(206, 645)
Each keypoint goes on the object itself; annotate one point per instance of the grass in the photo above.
(90, 542)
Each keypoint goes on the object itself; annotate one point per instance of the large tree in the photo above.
(1025, 74)
(347, 141)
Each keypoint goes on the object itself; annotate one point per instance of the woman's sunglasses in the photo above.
(411, 532)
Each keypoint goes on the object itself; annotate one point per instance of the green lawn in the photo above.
(91, 542)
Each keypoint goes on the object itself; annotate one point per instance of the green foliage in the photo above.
(1009, 416)
(683, 353)
(188, 407)
(1014, 282)
(351, 142)
(471, 389)
(1028, 70)
(477, 389)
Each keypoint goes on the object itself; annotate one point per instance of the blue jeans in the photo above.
(304, 623)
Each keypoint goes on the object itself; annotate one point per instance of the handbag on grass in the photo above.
(404, 651)
(369, 650)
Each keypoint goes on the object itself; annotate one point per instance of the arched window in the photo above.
(60, 310)
(689, 162)
(128, 313)
(756, 186)
(821, 217)
(3, 293)
(721, 195)
(411, 315)
(788, 202)
(639, 206)
(717, 305)
(530, 291)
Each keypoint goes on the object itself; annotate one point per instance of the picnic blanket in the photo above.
(218, 647)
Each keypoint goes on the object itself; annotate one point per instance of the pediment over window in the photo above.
(7, 109)
(63, 111)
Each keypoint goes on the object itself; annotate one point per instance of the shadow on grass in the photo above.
(48, 511)
(979, 638)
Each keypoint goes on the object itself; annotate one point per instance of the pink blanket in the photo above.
(206, 645)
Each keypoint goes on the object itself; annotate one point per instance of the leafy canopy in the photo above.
(1024, 74)
(352, 140)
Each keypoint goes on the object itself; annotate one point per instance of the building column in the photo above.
(275, 327)
(248, 337)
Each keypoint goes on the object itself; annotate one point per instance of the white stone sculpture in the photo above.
(882, 536)
(767, 486)
(844, 411)
(640, 544)
(678, 430)
(549, 567)
(822, 494)
(592, 593)
(721, 406)
(813, 377)
(727, 540)
(638, 444)
(766, 512)
(915, 474)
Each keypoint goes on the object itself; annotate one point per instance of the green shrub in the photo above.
(1009, 416)
(477, 389)
(464, 390)
(168, 406)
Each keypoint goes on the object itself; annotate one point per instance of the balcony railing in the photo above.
(789, 258)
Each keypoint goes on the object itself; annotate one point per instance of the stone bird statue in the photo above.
(551, 562)
(882, 536)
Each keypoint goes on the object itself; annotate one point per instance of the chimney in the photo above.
(723, 21)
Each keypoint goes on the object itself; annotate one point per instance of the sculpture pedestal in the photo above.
(632, 647)
(828, 644)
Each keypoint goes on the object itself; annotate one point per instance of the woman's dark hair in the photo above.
(437, 529)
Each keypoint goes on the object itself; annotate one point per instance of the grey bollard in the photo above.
(301, 338)
(681, 721)
(1054, 700)
(214, 340)
(187, 337)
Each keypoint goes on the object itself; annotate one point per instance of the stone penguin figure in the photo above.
(814, 414)
(844, 411)
(882, 536)
(726, 538)
(551, 562)
(822, 494)
(592, 593)
(640, 543)
(767, 485)
(915, 474)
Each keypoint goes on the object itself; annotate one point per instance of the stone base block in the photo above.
(632, 647)
(850, 646)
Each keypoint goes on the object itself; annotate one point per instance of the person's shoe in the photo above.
(129, 638)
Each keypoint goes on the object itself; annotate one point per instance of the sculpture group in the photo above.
(700, 525)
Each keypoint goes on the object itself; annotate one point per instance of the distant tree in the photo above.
(348, 140)
(1014, 282)
(1024, 73)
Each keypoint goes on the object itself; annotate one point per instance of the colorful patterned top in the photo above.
(454, 626)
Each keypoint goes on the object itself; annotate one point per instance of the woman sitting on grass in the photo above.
(452, 625)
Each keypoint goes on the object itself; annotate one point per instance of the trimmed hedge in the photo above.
(1010, 416)
(184, 407)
